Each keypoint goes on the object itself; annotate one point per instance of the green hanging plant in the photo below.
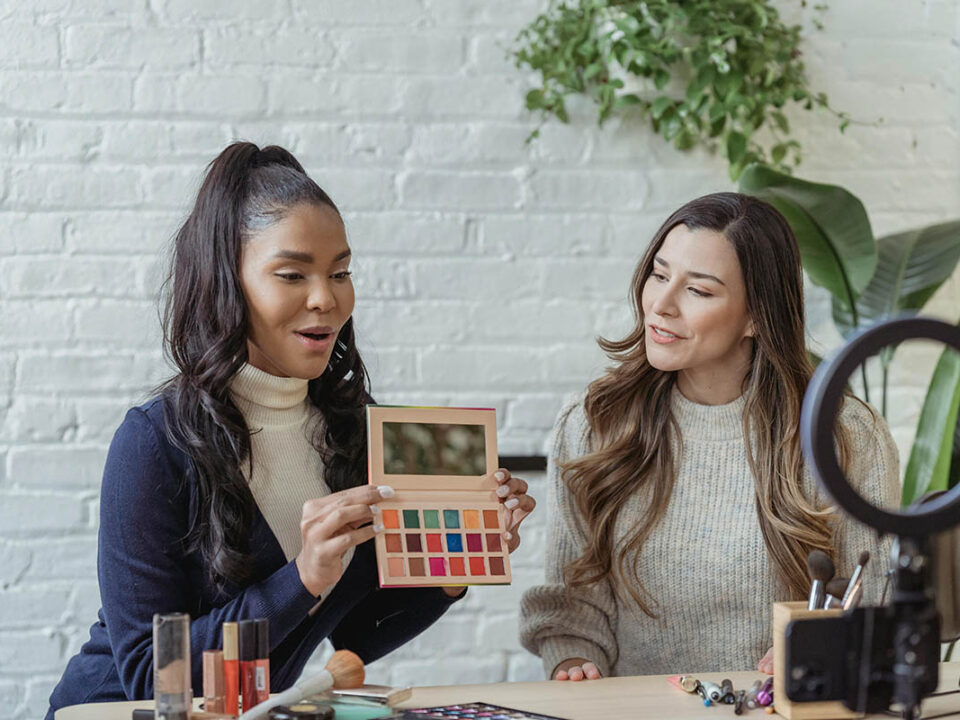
(740, 63)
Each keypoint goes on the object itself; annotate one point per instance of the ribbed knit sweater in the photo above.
(705, 563)
(287, 469)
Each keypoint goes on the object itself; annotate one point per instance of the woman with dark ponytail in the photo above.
(240, 491)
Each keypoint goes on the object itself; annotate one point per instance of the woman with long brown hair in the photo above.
(681, 505)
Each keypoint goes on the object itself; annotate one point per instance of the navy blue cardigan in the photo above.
(146, 500)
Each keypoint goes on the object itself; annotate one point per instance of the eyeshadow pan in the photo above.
(416, 567)
(496, 566)
(493, 542)
(454, 542)
(395, 567)
(393, 543)
(457, 566)
(413, 542)
(471, 519)
(433, 542)
(391, 518)
(473, 542)
(491, 519)
(431, 519)
(477, 567)
(436, 566)
(451, 519)
(411, 519)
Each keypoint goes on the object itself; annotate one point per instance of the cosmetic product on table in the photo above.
(344, 670)
(302, 711)
(172, 690)
(739, 702)
(765, 693)
(713, 690)
(231, 669)
(702, 692)
(472, 711)
(444, 525)
(751, 700)
(214, 695)
(380, 694)
(726, 687)
(687, 683)
(263, 660)
(247, 650)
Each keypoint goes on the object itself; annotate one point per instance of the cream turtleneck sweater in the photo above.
(705, 562)
(287, 469)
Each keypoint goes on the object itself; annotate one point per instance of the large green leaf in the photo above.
(831, 227)
(928, 468)
(911, 266)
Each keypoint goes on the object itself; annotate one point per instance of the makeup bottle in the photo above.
(172, 690)
(231, 669)
(213, 685)
(752, 694)
(263, 660)
(765, 693)
(247, 650)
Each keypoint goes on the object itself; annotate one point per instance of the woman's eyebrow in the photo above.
(305, 257)
(690, 273)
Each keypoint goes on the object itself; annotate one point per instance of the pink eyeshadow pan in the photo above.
(437, 566)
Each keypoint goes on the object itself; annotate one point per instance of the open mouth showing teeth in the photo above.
(663, 333)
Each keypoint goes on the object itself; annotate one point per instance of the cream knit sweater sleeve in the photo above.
(558, 622)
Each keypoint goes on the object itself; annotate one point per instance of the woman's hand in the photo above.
(329, 527)
(576, 669)
(766, 663)
(517, 504)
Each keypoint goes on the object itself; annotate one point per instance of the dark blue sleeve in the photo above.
(386, 619)
(144, 510)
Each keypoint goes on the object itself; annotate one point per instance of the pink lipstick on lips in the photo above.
(316, 338)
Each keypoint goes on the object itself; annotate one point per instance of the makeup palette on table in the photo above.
(474, 711)
(445, 524)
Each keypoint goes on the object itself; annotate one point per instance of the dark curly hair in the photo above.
(245, 190)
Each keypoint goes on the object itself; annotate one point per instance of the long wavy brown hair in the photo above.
(631, 423)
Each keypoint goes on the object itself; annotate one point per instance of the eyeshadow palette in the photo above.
(472, 711)
(445, 524)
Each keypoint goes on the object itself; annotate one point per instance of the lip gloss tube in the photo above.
(231, 669)
(213, 686)
(263, 660)
(247, 649)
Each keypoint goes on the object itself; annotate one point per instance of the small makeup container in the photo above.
(302, 711)
(214, 699)
(231, 669)
(263, 660)
(247, 649)
(783, 614)
(172, 690)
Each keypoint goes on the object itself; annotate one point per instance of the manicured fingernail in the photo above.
(374, 509)
(386, 491)
(378, 527)
(500, 476)
(503, 490)
(508, 535)
(511, 503)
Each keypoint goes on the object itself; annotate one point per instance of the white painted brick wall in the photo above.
(486, 266)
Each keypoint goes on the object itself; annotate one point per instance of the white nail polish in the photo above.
(503, 490)
(374, 509)
(377, 527)
(386, 491)
(500, 476)
(509, 535)
(511, 503)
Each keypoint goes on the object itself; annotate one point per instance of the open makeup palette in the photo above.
(445, 524)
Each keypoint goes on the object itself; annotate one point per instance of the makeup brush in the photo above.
(345, 670)
(855, 580)
(835, 589)
(821, 570)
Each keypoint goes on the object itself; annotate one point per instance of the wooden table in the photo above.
(648, 697)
